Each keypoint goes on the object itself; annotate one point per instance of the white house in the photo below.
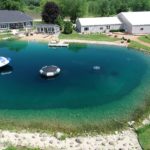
(98, 25)
(136, 22)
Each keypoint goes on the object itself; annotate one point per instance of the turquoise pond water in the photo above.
(79, 94)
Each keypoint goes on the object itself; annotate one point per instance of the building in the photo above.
(12, 19)
(98, 25)
(131, 22)
(48, 29)
(135, 22)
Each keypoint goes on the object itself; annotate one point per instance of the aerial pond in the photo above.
(97, 83)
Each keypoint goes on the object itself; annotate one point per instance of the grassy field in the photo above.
(20, 148)
(139, 46)
(91, 37)
(145, 38)
(5, 35)
(144, 137)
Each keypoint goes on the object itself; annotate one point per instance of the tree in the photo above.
(11, 5)
(50, 12)
(60, 22)
(68, 28)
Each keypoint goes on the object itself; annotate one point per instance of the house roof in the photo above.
(12, 16)
(137, 18)
(99, 21)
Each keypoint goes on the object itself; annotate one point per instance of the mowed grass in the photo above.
(139, 46)
(145, 38)
(144, 137)
(5, 35)
(90, 37)
(20, 148)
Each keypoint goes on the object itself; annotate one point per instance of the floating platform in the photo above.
(59, 44)
(50, 71)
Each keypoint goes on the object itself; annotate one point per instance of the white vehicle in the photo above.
(4, 61)
(50, 71)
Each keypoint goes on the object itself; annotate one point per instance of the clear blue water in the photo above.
(79, 93)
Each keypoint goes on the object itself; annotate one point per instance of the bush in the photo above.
(68, 27)
(120, 30)
(128, 40)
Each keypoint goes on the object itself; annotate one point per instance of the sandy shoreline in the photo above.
(118, 141)
(47, 39)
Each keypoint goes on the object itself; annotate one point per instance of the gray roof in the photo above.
(46, 25)
(12, 16)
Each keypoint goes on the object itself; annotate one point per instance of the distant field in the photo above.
(91, 37)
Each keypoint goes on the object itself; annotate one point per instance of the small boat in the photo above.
(57, 44)
(50, 71)
(4, 61)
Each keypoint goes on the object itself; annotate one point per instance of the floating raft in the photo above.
(50, 71)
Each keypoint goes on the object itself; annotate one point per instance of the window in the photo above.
(3, 26)
(141, 29)
(108, 27)
(86, 29)
(101, 28)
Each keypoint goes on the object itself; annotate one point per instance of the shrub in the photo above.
(119, 30)
(68, 27)
(128, 40)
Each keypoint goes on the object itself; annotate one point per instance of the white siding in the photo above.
(137, 29)
(99, 29)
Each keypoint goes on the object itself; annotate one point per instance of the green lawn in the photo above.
(145, 38)
(20, 148)
(91, 37)
(139, 46)
(144, 137)
(5, 35)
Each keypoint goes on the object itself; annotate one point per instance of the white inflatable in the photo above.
(50, 71)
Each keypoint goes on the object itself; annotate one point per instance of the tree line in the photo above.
(81, 8)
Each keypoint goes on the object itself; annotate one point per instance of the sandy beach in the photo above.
(125, 140)
(48, 38)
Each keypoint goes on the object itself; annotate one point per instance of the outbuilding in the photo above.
(48, 28)
(13, 19)
(98, 24)
(136, 22)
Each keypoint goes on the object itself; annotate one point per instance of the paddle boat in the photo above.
(4, 61)
(57, 44)
(49, 71)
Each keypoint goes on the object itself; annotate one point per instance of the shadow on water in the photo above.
(6, 70)
(14, 45)
(76, 48)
